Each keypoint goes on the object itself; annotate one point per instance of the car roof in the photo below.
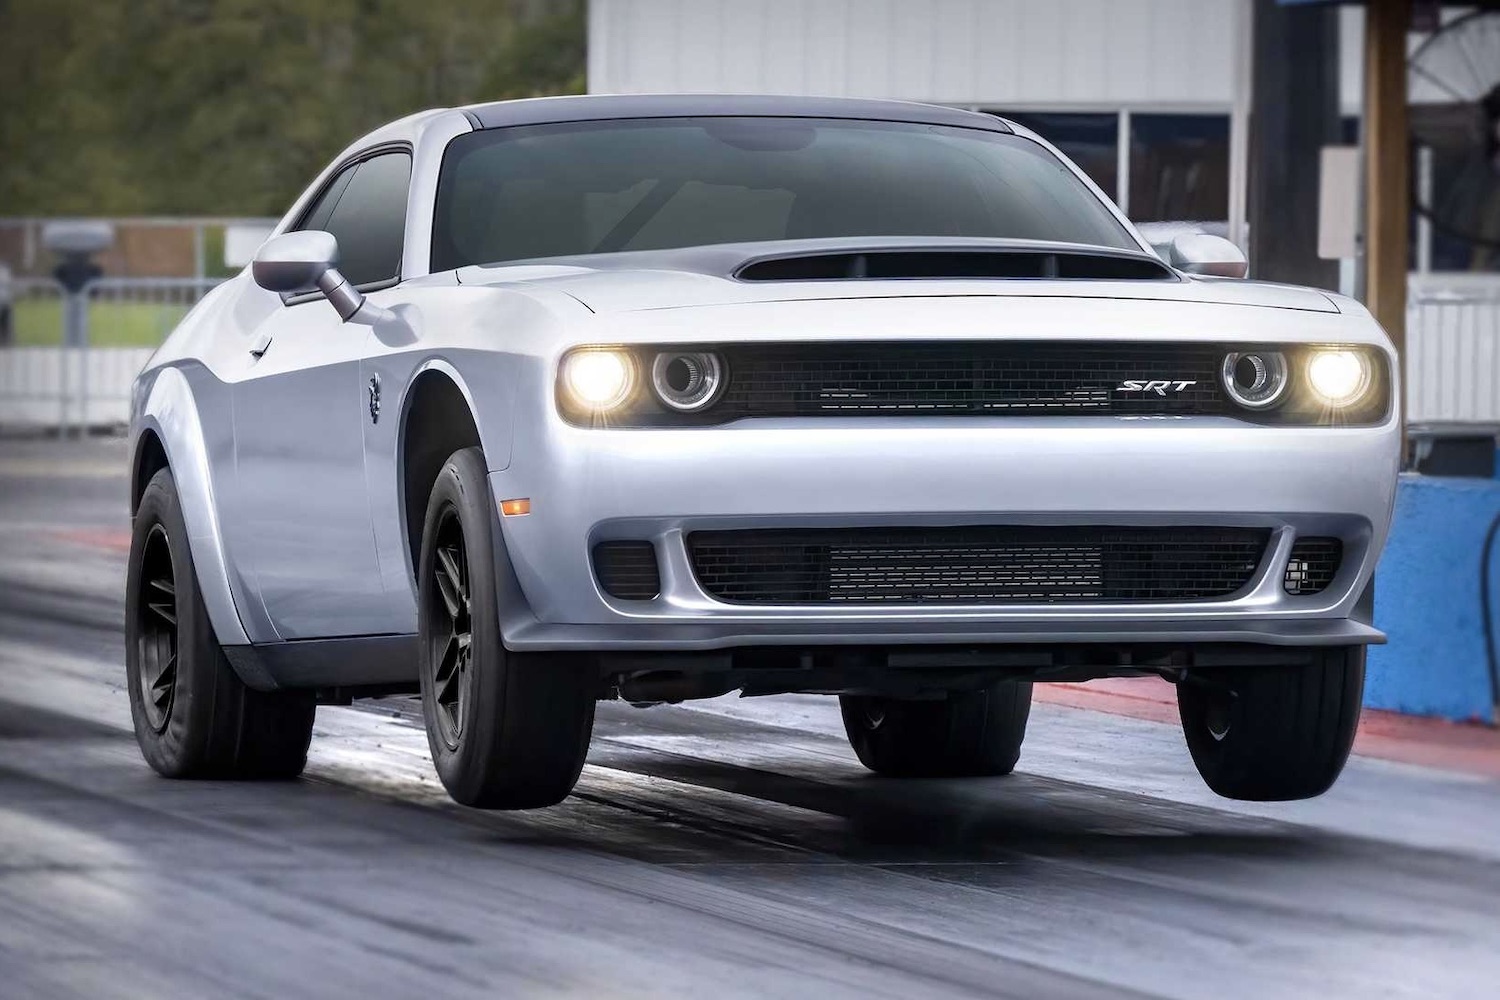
(599, 107)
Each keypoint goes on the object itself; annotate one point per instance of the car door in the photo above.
(302, 516)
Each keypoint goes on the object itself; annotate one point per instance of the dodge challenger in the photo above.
(530, 404)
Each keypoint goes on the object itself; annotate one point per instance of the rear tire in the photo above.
(507, 730)
(1278, 733)
(194, 718)
(967, 734)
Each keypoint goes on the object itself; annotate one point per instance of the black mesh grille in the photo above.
(1313, 564)
(627, 570)
(976, 565)
(982, 378)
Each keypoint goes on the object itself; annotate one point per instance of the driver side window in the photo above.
(364, 207)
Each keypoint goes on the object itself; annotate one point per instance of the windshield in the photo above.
(648, 184)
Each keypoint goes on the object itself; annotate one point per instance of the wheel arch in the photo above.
(437, 419)
(150, 458)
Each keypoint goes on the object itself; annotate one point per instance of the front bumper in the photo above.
(589, 485)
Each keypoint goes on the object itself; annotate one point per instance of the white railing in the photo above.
(1453, 354)
(46, 382)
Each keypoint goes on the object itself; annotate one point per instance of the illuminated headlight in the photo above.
(598, 379)
(688, 380)
(1338, 378)
(1255, 379)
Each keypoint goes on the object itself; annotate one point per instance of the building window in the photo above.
(1090, 140)
(1179, 168)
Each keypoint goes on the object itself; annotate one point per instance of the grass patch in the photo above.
(38, 323)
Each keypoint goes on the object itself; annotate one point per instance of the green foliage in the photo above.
(229, 107)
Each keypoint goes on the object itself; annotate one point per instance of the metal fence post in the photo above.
(85, 297)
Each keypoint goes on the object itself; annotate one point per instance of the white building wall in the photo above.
(1054, 54)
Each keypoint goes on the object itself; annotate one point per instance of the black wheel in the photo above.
(193, 717)
(967, 734)
(507, 730)
(1272, 734)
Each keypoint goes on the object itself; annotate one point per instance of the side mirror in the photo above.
(293, 262)
(1202, 253)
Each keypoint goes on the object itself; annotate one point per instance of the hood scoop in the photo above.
(956, 263)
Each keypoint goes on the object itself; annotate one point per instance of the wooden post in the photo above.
(1387, 185)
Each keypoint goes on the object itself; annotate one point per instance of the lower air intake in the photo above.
(627, 570)
(976, 565)
(1313, 564)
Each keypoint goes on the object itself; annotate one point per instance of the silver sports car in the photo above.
(656, 398)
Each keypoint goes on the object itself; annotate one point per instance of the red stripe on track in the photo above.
(115, 540)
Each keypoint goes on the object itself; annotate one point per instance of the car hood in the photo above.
(708, 276)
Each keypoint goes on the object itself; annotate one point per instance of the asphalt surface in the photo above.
(730, 849)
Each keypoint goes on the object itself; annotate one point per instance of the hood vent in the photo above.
(957, 264)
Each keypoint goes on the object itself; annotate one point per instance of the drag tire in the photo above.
(1274, 733)
(967, 734)
(507, 730)
(194, 718)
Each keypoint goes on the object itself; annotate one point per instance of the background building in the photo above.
(1150, 97)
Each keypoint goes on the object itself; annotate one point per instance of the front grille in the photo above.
(627, 570)
(975, 565)
(1313, 565)
(971, 379)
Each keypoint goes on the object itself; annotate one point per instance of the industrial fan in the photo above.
(1454, 88)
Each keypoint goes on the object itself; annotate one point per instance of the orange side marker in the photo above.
(515, 508)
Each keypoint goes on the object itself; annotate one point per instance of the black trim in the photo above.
(956, 263)
(982, 564)
(349, 661)
(344, 164)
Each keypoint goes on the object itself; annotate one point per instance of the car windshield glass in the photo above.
(532, 192)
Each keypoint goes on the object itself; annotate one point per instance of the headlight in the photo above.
(687, 380)
(598, 379)
(1255, 379)
(1338, 378)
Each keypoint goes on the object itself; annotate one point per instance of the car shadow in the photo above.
(849, 814)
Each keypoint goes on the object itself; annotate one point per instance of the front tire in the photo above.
(1274, 733)
(507, 730)
(194, 718)
(967, 734)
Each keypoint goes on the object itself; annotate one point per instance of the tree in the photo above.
(229, 107)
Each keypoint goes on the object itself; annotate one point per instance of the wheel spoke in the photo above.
(450, 583)
(161, 688)
(447, 667)
(449, 640)
(462, 701)
(156, 624)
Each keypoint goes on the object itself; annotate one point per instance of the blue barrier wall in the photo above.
(1427, 599)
